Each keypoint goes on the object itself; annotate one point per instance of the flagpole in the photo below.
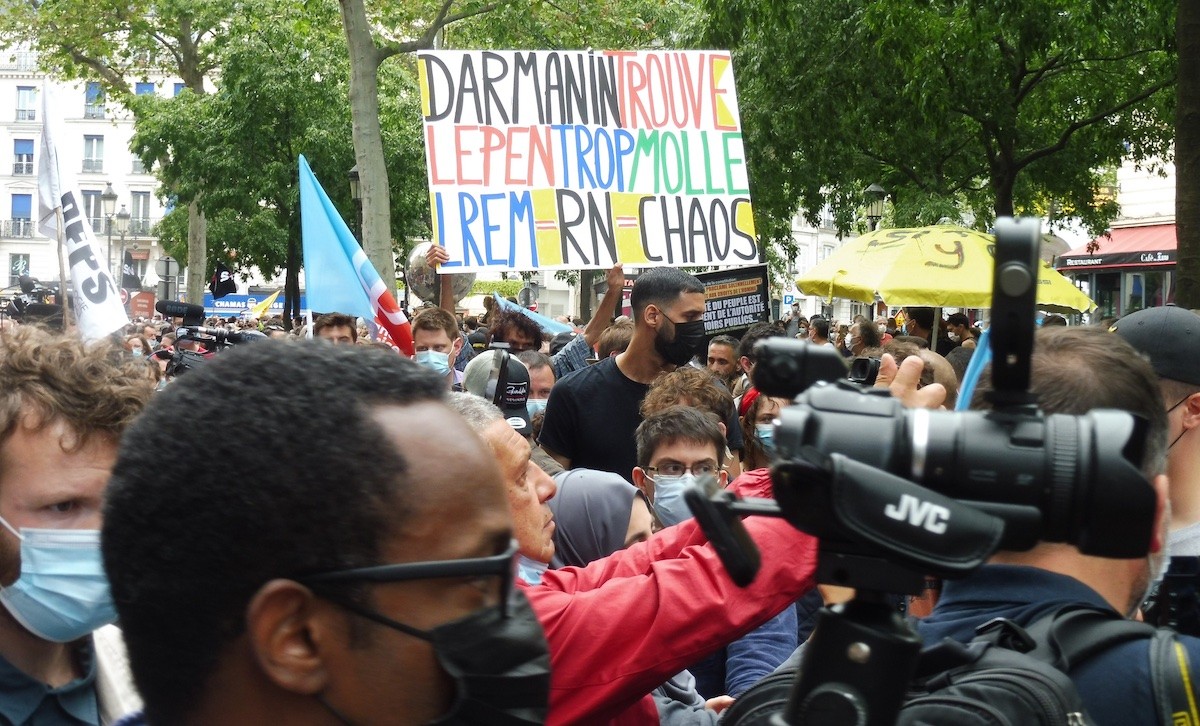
(62, 273)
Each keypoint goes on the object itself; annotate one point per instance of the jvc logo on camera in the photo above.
(932, 517)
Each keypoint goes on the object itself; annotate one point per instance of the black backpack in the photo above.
(1007, 676)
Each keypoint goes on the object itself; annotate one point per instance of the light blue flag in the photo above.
(547, 324)
(330, 281)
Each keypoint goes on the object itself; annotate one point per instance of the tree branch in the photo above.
(443, 19)
(1089, 121)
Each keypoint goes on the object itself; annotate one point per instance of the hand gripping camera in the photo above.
(895, 494)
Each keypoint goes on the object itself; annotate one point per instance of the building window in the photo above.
(21, 220)
(93, 101)
(144, 89)
(179, 87)
(93, 154)
(139, 215)
(22, 157)
(18, 265)
(93, 209)
(26, 103)
(137, 167)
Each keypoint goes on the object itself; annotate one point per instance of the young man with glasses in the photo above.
(681, 447)
(361, 573)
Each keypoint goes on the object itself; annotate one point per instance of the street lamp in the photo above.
(108, 204)
(356, 195)
(875, 196)
(122, 224)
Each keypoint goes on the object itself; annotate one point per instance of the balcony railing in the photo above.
(93, 110)
(93, 166)
(22, 168)
(140, 227)
(27, 114)
(17, 228)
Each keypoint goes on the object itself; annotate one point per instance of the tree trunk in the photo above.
(291, 284)
(197, 261)
(368, 140)
(1002, 184)
(1187, 155)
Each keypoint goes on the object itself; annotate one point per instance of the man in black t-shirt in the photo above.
(592, 414)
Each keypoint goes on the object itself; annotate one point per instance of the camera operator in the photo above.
(1170, 337)
(1076, 370)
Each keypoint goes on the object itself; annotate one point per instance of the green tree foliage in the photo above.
(119, 42)
(281, 94)
(992, 106)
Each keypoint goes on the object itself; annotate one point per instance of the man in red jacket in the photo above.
(624, 624)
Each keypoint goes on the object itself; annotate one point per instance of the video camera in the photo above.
(895, 494)
(193, 329)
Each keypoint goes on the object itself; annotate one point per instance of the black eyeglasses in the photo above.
(502, 565)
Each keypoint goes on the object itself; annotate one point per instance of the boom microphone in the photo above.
(191, 314)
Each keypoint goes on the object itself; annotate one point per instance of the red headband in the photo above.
(747, 399)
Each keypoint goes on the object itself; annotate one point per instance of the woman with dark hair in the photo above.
(597, 513)
(756, 416)
(959, 328)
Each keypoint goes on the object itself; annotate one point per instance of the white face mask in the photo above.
(953, 336)
(849, 342)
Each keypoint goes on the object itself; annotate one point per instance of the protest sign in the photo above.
(581, 159)
(734, 299)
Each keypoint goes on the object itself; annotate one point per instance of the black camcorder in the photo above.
(193, 329)
(895, 494)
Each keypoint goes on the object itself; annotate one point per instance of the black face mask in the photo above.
(688, 342)
(500, 662)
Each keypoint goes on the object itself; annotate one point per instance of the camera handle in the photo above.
(855, 668)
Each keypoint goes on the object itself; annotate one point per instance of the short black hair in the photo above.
(188, 544)
(661, 286)
(678, 423)
(821, 326)
(337, 320)
(727, 340)
(509, 320)
(756, 332)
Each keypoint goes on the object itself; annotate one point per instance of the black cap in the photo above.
(560, 341)
(1169, 336)
(503, 380)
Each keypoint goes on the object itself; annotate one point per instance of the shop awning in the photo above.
(1147, 246)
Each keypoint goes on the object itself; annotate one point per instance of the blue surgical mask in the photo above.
(437, 362)
(669, 503)
(62, 593)
(138, 353)
(530, 570)
(766, 435)
(535, 406)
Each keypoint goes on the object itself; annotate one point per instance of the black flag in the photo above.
(129, 276)
(222, 283)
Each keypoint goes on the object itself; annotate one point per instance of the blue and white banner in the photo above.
(231, 306)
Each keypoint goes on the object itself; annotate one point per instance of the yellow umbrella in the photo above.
(939, 266)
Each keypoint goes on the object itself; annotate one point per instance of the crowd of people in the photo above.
(495, 531)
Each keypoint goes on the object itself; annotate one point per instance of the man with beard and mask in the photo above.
(63, 406)
(1076, 370)
(592, 414)
(361, 572)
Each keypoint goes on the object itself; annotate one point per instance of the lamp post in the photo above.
(875, 196)
(108, 203)
(356, 195)
(121, 219)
